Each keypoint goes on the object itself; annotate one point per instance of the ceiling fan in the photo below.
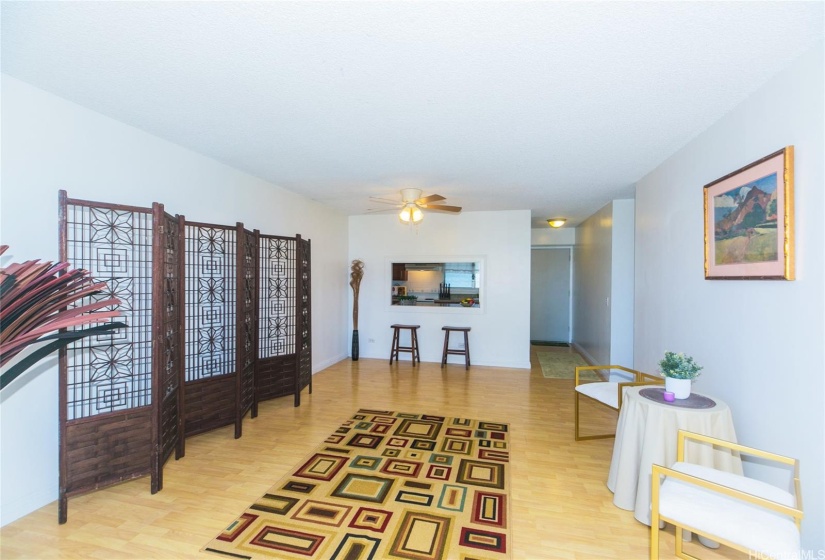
(412, 204)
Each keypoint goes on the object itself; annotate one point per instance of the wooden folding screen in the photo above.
(221, 300)
(247, 324)
(119, 399)
(304, 373)
(285, 351)
(209, 295)
(167, 427)
(218, 318)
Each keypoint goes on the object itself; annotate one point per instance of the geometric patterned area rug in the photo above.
(386, 485)
(562, 365)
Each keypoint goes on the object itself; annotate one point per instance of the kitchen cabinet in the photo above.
(399, 272)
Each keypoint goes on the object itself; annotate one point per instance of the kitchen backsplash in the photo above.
(423, 281)
(424, 284)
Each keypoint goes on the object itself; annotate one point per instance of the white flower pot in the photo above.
(679, 387)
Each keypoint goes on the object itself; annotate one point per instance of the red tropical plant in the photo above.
(35, 300)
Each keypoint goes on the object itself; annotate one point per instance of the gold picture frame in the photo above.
(749, 221)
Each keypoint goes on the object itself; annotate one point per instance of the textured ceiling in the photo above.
(558, 107)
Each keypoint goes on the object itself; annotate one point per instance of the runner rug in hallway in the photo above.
(386, 485)
(562, 365)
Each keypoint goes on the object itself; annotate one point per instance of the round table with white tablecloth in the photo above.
(646, 434)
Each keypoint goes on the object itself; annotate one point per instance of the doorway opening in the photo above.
(551, 296)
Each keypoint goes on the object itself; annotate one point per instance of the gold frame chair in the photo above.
(639, 378)
(660, 471)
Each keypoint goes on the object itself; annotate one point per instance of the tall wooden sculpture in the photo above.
(356, 274)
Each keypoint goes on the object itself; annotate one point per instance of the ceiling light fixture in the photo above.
(556, 222)
(411, 214)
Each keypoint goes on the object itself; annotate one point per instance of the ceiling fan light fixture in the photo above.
(411, 213)
(409, 195)
(556, 222)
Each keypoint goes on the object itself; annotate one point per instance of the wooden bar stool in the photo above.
(447, 350)
(396, 342)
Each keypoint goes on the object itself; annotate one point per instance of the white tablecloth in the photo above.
(646, 434)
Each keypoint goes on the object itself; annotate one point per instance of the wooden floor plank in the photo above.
(561, 506)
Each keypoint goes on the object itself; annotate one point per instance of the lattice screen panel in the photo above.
(210, 301)
(211, 307)
(109, 410)
(277, 295)
(278, 284)
(112, 372)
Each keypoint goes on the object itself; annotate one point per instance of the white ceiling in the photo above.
(558, 107)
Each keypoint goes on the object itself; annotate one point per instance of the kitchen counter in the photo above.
(453, 303)
(429, 298)
(436, 303)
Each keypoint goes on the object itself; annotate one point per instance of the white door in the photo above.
(550, 294)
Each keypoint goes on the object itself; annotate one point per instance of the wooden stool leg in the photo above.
(394, 347)
(446, 345)
(415, 353)
(466, 351)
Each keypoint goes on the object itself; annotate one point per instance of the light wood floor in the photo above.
(561, 507)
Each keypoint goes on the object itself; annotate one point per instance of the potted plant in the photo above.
(679, 371)
(407, 300)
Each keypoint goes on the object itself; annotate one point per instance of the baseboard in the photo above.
(15, 509)
(509, 365)
(591, 361)
(583, 353)
(458, 362)
(327, 363)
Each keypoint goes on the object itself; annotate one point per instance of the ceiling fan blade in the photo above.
(378, 210)
(443, 208)
(386, 201)
(429, 199)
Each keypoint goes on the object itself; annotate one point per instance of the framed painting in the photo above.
(749, 221)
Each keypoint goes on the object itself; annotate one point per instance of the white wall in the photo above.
(603, 285)
(591, 286)
(621, 281)
(49, 144)
(500, 333)
(550, 236)
(761, 342)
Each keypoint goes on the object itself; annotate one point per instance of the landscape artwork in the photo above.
(748, 221)
(745, 223)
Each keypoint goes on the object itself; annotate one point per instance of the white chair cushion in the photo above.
(745, 524)
(606, 392)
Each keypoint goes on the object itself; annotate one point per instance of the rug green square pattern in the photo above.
(386, 484)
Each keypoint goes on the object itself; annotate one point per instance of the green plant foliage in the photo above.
(679, 366)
